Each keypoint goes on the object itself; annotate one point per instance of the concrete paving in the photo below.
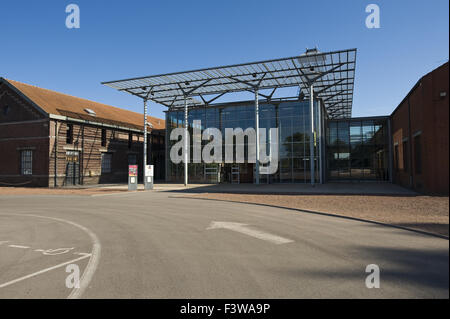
(154, 244)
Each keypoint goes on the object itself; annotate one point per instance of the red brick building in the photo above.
(53, 139)
(420, 135)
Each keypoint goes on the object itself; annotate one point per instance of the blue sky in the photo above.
(122, 39)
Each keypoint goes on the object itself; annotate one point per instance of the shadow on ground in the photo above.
(405, 268)
(367, 189)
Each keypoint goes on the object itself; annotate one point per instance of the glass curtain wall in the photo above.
(358, 149)
(293, 120)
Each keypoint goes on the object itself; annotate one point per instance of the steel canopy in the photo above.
(332, 75)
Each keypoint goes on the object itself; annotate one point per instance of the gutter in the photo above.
(66, 118)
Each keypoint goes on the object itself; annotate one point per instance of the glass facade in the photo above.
(292, 118)
(358, 149)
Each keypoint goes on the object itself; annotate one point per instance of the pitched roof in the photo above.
(66, 105)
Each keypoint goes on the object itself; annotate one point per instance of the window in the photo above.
(103, 137)
(90, 112)
(396, 156)
(405, 155)
(130, 140)
(418, 154)
(132, 159)
(106, 162)
(26, 162)
(69, 134)
(6, 110)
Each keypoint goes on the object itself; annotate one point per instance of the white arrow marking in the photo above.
(244, 229)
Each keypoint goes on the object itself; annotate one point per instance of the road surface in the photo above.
(160, 245)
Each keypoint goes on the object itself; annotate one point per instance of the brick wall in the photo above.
(421, 121)
(87, 141)
(23, 127)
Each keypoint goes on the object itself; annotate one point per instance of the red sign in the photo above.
(132, 170)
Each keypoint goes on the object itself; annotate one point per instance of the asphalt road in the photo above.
(158, 245)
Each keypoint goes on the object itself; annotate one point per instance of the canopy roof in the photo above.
(331, 73)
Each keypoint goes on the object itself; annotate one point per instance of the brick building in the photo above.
(420, 135)
(53, 139)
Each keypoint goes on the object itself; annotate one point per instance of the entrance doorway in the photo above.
(72, 168)
(238, 173)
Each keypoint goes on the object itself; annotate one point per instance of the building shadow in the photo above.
(424, 269)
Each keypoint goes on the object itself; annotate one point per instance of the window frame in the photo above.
(103, 137)
(69, 134)
(26, 162)
(130, 140)
(418, 154)
(405, 153)
(106, 169)
(396, 156)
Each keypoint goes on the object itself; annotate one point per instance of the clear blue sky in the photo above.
(121, 39)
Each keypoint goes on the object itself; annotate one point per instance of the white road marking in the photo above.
(43, 271)
(118, 193)
(94, 255)
(81, 254)
(244, 229)
(47, 252)
(57, 251)
(19, 246)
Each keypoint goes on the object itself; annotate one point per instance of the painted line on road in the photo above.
(43, 271)
(19, 246)
(244, 229)
(118, 193)
(94, 255)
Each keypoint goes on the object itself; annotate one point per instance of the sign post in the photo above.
(148, 177)
(132, 177)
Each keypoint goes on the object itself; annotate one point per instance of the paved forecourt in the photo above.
(157, 245)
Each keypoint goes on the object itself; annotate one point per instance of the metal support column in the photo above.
(320, 138)
(144, 163)
(257, 136)
(185, 142)
(166, 150)
(311, 140)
